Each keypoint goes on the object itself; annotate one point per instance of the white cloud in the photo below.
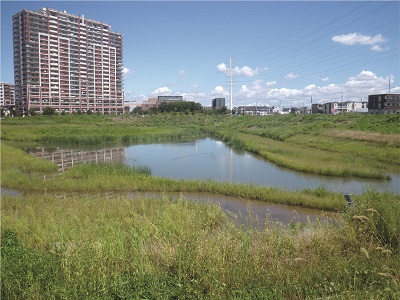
(360, 39)
(355, 88)
(181, 73)
(291, 76)
(365, 79)
(219, 91)
(271, 83)
(325, 79)
(284, 93)
(257, 89)
(222, 68)
(162, 90)
(377, 48)
(245, 71)
(126, 71)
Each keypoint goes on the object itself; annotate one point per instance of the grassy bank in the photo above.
(350, 145)
(299, 155)
(174, 249)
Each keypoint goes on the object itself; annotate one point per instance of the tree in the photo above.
(137, 110)
(223, 110)
(49, 111)
(32, 111)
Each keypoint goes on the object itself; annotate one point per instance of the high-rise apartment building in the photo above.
(6, 95)
(67, 62)
(218, 103)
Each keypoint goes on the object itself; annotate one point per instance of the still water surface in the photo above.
(208, 158)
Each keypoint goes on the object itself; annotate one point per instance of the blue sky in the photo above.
(283, 52)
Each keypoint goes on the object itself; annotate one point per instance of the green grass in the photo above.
(175, 249)
(119, 248)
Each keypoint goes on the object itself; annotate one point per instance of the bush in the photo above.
(49, 111)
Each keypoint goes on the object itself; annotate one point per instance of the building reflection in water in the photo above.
(66, 158)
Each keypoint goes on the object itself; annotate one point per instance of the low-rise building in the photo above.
(317, 108)
(155, 102)
(151, 102)
(344, 107)
(384, 104)
(300, 110)
(254, 110)
(169, 98)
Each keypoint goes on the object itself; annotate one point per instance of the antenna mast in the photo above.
(230, 83)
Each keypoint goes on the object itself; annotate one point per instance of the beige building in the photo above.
(67, 62)
(7, 98)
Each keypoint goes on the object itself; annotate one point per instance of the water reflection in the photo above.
(210, 159)
(66, 158)
(257, 213)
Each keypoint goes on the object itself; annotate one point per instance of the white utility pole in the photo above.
(342, 100)
(230, 83)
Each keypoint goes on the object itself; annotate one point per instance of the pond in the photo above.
(208, 158)
(212, 159)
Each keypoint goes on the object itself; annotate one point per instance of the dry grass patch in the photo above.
(387, 139)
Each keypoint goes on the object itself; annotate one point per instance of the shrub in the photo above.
(49, 111)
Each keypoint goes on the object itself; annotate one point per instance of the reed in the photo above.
(308, 159)
(87, 248)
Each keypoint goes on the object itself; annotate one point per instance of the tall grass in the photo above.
(174, 249)
(308, 159)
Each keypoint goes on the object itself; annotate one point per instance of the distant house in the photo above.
(384, 104)
(361, 107)
(344, 107)
(317, 108)
(259, 110)
(151, 102)
(300, 110)
(155, 102)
